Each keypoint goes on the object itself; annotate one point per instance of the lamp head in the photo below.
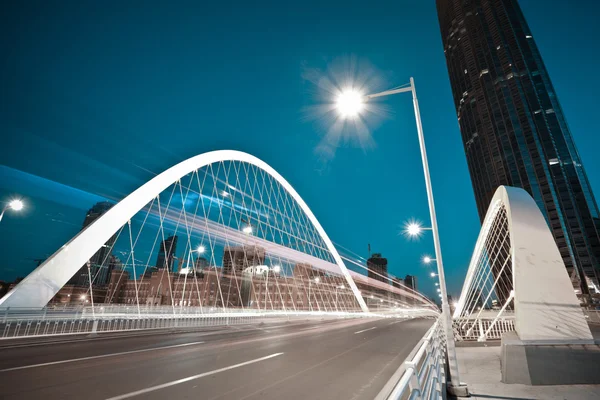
(350, 103)
(16, 205)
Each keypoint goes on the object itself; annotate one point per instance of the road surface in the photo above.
(302, 360)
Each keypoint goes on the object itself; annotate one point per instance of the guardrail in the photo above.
(423, 373)
(52, 321)
(482, 329)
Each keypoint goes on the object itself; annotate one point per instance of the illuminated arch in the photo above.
(545, 304)
(38, 288)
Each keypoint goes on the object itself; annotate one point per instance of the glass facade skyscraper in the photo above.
(513, 128)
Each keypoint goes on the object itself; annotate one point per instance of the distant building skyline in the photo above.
(513, 127)
(411, 281)
(167, 253)
(101, 263)
(377, 266)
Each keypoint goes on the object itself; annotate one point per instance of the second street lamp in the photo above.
(350, 103)
(15, 205)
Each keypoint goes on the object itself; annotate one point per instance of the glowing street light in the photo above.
(428, 259)
(439, 290)
(277, 269)
(350, 104)
(317, 279)
(15, 205)
(201, 249)
(247, 230)
(433, 274)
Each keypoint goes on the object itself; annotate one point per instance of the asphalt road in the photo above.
(307, 360)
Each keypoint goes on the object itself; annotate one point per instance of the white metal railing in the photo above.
(482, 329)
(21, 323)
(61, 320)
(423, 373)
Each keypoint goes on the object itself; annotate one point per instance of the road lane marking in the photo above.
(364, 330)
(190, 378)
(395, 322)
(100, 356)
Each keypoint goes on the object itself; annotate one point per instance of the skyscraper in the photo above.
(411, 281)
(100, 263)
(377, 267)
(237, 258)
(166, 253)
(513, 128)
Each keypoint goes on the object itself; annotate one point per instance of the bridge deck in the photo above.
(343, 359)
(480, 367)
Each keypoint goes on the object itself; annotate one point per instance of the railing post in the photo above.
(414, 384)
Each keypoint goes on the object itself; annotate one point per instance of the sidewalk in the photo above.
(480, 369)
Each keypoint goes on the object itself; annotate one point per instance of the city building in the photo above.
(513, 128)
(166, 254)
(237, 258)
(377, 266)
(99, 264)
(397, 282)
(411, 282)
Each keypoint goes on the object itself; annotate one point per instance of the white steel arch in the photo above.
(38, 288)
(545, 305)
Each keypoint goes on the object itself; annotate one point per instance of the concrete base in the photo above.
(549, 363)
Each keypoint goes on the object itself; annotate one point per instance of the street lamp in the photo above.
(277, 269)
(247, 230)
(15, 205)
(201, 249)
(433, 274)
(414, 229)
(428, 260)
(350, 104)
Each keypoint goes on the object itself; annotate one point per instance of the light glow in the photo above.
(247, 230)
(350, 103)
(201, 249)
(432, 274)
(16, 205)
(277, 269)
(427, 259)
(413, 229)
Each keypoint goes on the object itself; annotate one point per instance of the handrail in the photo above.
(422, 374)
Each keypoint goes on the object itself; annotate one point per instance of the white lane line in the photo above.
(364, 330)
(392, 323)
(189, 378)
(100, 356)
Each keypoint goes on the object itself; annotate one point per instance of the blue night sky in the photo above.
(97, 96)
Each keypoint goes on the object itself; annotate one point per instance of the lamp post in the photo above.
(15, 205)
(350, 104)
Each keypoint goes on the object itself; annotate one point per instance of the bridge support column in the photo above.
(548, 362)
